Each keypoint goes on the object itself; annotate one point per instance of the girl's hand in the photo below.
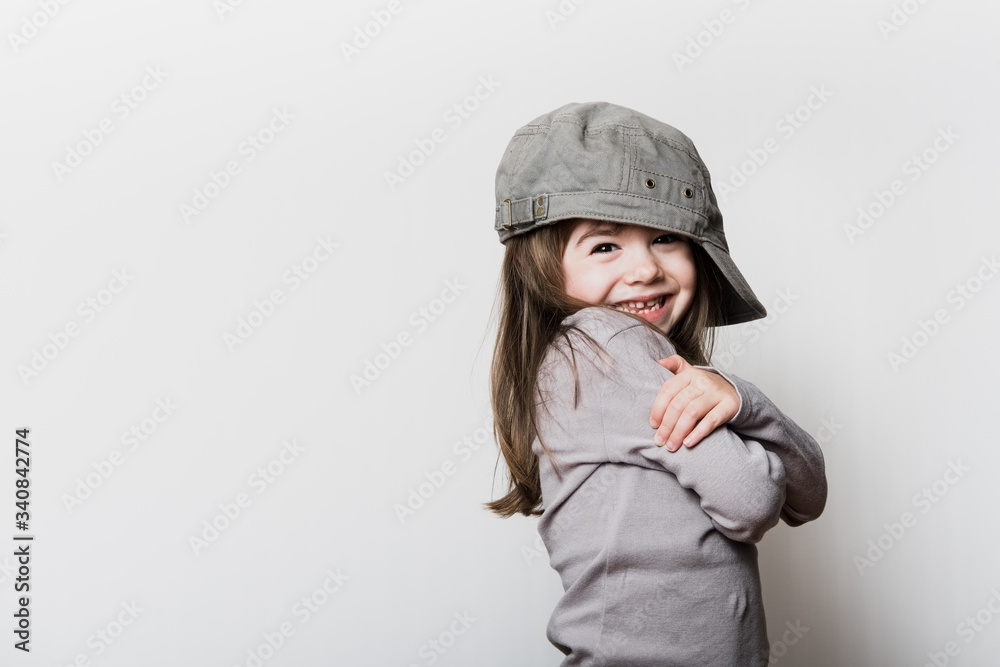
(692, 396)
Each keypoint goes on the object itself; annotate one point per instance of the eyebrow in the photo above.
(602, 229)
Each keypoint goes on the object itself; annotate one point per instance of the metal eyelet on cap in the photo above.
(689, 193)
(650, 183)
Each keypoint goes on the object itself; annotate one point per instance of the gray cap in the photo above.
(605, 162)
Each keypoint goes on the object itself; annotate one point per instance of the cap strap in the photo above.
(520, 211)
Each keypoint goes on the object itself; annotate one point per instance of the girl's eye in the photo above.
(604, 248)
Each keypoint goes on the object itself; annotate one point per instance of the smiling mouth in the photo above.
(641, 307)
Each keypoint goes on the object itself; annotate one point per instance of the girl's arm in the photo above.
(708, 397)
(740, 484)
(805, 469)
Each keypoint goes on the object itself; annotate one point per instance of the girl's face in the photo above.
(641, 270)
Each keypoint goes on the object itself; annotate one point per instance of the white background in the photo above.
(891, 430)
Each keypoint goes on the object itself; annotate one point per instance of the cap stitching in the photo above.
(623, 194)
(671, 177)
(635, 158)
(676, 146)
(564, 215)
(576, 120)
(638, 128)
(571, 116)
(597, 129)
(618, 218)
(623, 180)
(522, 152)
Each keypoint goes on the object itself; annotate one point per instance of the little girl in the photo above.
(616, 268)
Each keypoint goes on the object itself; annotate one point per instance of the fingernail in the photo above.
(671, 447)
(657, 439)
(687, 442)
(653, 424)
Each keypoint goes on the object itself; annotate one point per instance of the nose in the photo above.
(642, 268)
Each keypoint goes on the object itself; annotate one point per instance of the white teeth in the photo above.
(640, 307)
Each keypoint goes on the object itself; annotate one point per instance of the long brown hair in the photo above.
(533, 304)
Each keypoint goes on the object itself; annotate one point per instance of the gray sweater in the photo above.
(655, 549)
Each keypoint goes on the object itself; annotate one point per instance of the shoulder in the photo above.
(609, 326)
(602, 357)
(601, 323)
(619, 336)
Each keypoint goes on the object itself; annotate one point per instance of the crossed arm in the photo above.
(695, 401)
(754, 465)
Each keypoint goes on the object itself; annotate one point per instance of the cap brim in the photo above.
(740, 304)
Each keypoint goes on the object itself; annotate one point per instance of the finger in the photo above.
(687, 420)
(675, 363)
(715, 418)
(668, 390)
(674, 415)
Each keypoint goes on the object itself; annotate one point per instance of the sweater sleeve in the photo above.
(741, 485)
(760, 419)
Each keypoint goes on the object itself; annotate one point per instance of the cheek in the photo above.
(585, 285)
(687, 274)
(578, 287)
(692, 278)
(569, 277)
(572, 280)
